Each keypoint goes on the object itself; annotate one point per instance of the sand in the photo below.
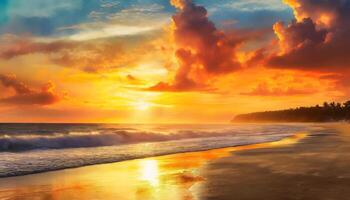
(301, 167)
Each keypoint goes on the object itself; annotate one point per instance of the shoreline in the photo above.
(147, 178)
(228, 148)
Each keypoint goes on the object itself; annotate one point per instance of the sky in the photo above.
(169, 61)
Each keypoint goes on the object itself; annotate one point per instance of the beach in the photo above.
(317, 167)
(174, 100)
(298, 167)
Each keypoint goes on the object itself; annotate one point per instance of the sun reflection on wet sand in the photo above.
(159, 178)
(149, 171)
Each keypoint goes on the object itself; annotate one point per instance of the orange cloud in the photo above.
(25, 95)
(201, 49)
(322, 12)
(180, 3)
(318, 39)
(12, 82)
(264, 90)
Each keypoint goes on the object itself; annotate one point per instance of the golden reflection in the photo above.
(289, 140)
(149, 171)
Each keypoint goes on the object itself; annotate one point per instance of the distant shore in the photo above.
(328, 112)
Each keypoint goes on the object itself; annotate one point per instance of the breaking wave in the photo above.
(61, 147)
(107, 137)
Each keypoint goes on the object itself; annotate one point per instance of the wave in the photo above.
(33, 153)
(17, 164)
(105, 137)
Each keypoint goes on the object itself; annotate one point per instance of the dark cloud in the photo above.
(25, 95)
(19, 47)
(318, 40)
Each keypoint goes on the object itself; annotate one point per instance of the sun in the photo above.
(142, 105)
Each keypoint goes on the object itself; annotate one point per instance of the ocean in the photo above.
(33, 148)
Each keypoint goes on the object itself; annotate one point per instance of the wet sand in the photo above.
(300, 167)
(317, 168)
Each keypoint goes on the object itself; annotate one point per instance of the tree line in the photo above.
(328, 112)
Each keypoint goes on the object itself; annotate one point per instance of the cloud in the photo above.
(181, 86)
(106, 31)
(105, 4)
(318, 39)
(264, 90)
(340, 80)
(180, 3)
(93, 57)
(201, 49)
(25, 95)
(18, 47)
(133, 20)
(89, 56)
(11, 81)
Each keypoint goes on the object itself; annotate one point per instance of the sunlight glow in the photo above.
(142, 105)
(149, 171)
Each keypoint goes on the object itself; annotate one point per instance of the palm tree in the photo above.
(347, 104)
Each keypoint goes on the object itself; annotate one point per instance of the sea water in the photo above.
(33, 148)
